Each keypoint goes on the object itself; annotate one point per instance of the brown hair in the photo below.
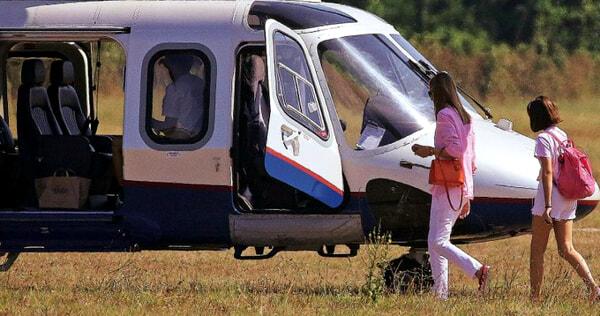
(543, 113)
(443, 93)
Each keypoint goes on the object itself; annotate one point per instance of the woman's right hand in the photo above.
(422, 151)
(546, 216)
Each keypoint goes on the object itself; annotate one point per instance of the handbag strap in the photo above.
(448, 193)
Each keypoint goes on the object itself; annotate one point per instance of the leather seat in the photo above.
(34, 113)
(67, 108)
(42, 147)
(73, 122)
(65, 101)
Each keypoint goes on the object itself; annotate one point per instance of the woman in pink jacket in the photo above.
(453, 139)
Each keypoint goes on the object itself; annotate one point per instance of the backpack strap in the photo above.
(561, 143)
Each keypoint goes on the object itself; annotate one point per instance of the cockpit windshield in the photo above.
(378, 96)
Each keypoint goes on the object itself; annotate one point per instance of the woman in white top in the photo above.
(550, 208)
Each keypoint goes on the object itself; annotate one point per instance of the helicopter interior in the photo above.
(256, 190)
(62, 117)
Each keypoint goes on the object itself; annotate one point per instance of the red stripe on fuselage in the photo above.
(199, 187)
(492, 200)
(303, 169)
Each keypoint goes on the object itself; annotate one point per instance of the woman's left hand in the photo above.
(466, 210)
(422, 151)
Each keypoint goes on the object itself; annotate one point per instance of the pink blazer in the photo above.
(459, 141)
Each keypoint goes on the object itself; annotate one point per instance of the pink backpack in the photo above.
(575, 180)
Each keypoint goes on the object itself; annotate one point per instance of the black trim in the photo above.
(76, 29)
(297, 15)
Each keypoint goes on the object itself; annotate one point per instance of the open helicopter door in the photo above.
(301, 148)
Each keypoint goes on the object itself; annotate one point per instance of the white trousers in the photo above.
(442, 218)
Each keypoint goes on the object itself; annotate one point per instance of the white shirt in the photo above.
(547, 147)
(184, 100)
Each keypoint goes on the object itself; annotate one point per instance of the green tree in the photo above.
(467, 25)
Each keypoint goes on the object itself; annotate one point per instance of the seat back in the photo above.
(65, 101)
(34, 114)
(44, 122)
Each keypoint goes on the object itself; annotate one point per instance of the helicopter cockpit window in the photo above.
(474, 111)
(295, 87)
(375, 92)
(178, 96)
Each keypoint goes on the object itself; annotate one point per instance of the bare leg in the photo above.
(563, 230)
(539, 242)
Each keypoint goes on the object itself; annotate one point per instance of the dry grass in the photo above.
(291, 283)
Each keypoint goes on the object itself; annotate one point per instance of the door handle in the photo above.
(290, 138)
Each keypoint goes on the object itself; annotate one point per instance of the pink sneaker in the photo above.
(484, 273)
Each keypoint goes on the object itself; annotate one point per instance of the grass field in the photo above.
(292, 283)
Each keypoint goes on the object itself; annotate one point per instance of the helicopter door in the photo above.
(301, 148)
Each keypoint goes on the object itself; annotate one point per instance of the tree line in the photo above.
(472, 25)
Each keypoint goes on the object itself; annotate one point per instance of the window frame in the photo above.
(147, 83)
(322, 132)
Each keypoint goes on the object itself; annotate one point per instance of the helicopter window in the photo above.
(474, 111)
(295, 88)
(374, 91)
(287, 85)
(178, 99)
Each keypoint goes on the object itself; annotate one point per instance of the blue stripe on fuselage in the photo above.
(288, 173)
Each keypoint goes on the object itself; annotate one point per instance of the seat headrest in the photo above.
(62, 73)
(33, 72)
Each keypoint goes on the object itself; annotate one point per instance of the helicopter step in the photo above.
(328, 251)
(297, 231)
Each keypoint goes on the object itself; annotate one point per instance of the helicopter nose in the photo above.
(508, 171)
(505, 163)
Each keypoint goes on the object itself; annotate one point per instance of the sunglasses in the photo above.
(430, 94)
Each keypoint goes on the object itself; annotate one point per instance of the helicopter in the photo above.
(291, 126)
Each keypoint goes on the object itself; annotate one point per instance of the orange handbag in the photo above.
(448, 173)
